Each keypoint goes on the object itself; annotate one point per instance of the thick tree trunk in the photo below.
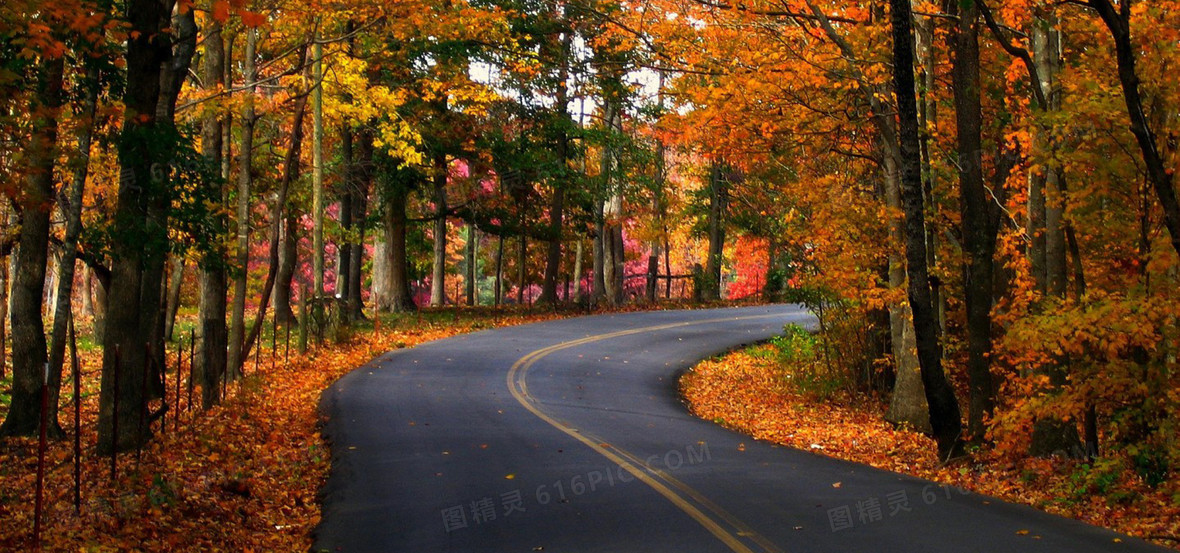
(400, 298)
(288, 258)
(140, 227)
(908, 404)
(72, 208)
(976, 213)
(317, 182)
(521, 267)
(211, 310)
(29, 372)
(598, 256)
(945, 418)
(438, 273)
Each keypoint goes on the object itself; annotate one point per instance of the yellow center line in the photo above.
(655, 479)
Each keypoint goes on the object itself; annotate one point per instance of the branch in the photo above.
(1016, 52)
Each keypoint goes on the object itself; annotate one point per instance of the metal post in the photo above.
(77, 416)
(41, 457)
(143, 385)
(115, 416)
(192, 366)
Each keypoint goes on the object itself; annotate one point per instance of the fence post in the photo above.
(192, 366)
(115, 416)
(143, 384)
(39, 504)
(77, 416)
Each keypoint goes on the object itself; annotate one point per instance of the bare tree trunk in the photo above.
(439, 267)
(173, 304)
(360, 208)
(718, 202)
(288, 258)
(28, 287)
(579, 253)
(944, 407)
(908, 404)
(499, 269)
(471, 261)
(979, 224)
(398, 284)
(237, 326)
(213, 332)
(154, 74)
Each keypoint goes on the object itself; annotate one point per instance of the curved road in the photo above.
(569, 436)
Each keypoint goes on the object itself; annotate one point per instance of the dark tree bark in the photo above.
(28, 286)
(402, 300)
(557, 202)
(979, 222)
(288, 257)
(360, 207)
(718, 206)
(72, 208)
(214, 282)
(139, 227)
(344, 250)
(945, 417)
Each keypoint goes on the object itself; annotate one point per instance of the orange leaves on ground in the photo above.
(241, 476)
(751, 392)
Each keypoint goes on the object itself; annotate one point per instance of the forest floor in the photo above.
(242, 476)
(756, 392)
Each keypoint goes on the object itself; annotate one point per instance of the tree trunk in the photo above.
(975, 210)
(344, 251)
(1051, 435)
(499, 296)
(598, 256)
(908, 404)
(400, 298)
(211, 310)
(360, 209)
(438, 274)
(317, 182)
(237, 325)
(140, 226)
(718, 201)
(579, 254)
(288, 258)
(612, 213)
(521, 267)
(944, 407)
(470, 271)
(291, 170)
(28, 287)
(173, 304)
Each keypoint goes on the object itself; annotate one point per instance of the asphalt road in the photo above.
(569, 436)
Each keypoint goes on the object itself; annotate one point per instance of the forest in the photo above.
(976, 198)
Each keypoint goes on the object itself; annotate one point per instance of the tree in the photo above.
(945, 418)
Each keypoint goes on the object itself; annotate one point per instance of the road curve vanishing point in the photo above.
(570, 436)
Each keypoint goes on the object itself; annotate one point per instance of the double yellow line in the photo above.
(723, 525)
